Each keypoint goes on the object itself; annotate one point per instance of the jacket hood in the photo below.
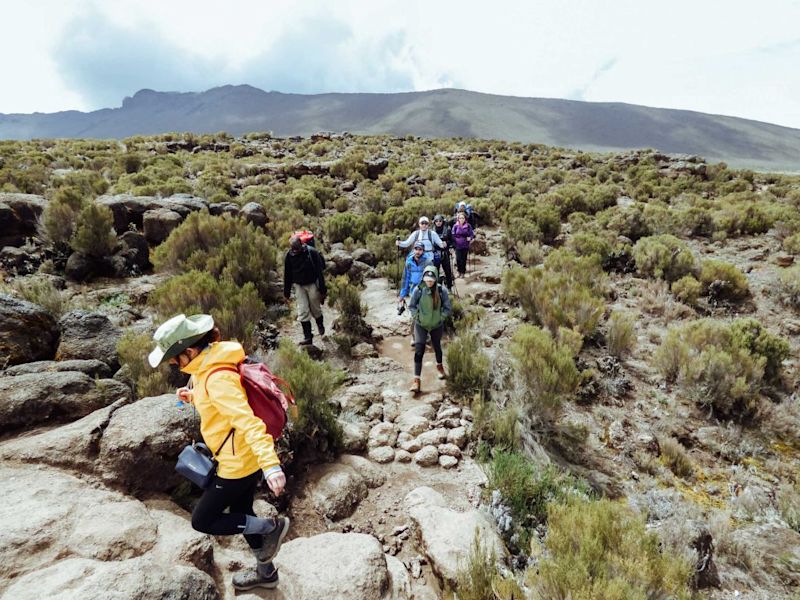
(217, 354)
(432, 270)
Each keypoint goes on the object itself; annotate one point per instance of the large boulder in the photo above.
(20, 261)
(446, 536)
(130, 210)
(92, 367)
(336, 491)
(358, 398)
(36, 398)
(142, 441)
(158, 224)
(254, 213)
(339, 262)
(88, 335)
(135, 252)
(19, 215)
(365, 256)
(27, 332)
(334, 566)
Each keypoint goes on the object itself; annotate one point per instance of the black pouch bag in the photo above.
(197, 464)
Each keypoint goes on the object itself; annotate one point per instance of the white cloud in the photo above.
(714, 56)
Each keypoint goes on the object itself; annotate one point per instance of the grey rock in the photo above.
(382, 454)
(365, 256)
(254, 213)
(373, 476)
(448, 462)
(457, 436)
(27, 331)
(382, 434)
(159, 223)
(336, 490)
(358, 398)
(86, 335)
(354, 435)
(433, 437)
(427, 456)
(339, 262)
(36, 398)
(449, 450)
(19, 215)
(402, 456)
(412, 423)
(91, 367)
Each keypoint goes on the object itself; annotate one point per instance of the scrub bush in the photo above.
(341, 226)
(41, 291)
(674, 456)
(467, 365)
(236, 310)
(722, 281)
(601, 550)
(94, 231)
(228, 248)
(663, 257)
(687, 289)
(133, 349)
(790, 287)
(621, 334)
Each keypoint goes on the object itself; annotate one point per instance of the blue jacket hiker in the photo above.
(430, 306)
(412, 273)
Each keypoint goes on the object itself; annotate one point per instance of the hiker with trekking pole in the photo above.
(430, 306)
(462, 235)
(242, 412)
(413, 270)
(430, 239)
(442, 229)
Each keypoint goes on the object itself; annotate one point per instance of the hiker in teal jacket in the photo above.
(430, 307)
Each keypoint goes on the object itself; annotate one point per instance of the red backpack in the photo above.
(268, 402)
(305, 236)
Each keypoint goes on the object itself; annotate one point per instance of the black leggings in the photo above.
(420, 338)
(461, 260)
(237, 495)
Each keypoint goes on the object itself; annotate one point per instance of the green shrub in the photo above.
(527, 220)
(495, 425)
(626, 221)
(57, 224)
(584, 243)
(313, 384)
(94, 231)
(527, 489)
(742, 218)
(341, 226)
(567, 292)
(674, 456)
(663, 257)
(305, 201)
(722, 281)
(530, 253)
(722, 364)
(792, 244)
(789, 504)
(236, 310)
(467, 365)
(687, 289)
(621, 334)
(225, 247)
(601, 550)
(383, 247)
(346, 297)
(790, 286)
(475, 578)
(546, 367)
(133, 349)
(41, 291)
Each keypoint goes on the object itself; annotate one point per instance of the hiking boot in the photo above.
(308, 337)
(272, 541)
(321, 326)
(440, 369)
(415, 386)
(264, 575)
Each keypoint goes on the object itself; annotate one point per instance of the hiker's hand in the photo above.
(276, 481)
(185, 395)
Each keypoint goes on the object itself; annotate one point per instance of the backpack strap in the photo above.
(216, 371)
(225, 441)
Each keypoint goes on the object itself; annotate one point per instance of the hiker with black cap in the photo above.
(430, 307)
(430, 239)
(303, 269)
(442, 229)
(244, 451)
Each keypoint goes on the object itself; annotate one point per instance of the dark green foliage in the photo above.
(236, 310)
(342, 226)
(133, 349)
(663, 257)
(467, 364)
(94, 231)
(722, 281)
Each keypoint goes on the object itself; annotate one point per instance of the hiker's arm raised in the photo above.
(409, 240)
(228, 395)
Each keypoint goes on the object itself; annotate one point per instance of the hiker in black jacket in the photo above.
(303, 268)
(441, 227)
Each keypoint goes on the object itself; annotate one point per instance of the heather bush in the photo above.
(346, 298)
(673, 455)
(626, 221)
(723, 365)
(497, 426)
(94, 231)
(225, 247)
(236, 310)
(342, 226)
(602, 550)
(742, 218)
(133, 349)
(40, 290)
(305, 201)
(790, 286)
(530, 253)
(567, 292)
(722, 281)
(546, 369)
(467, 364)
(313, 383)
(57, 221)
(792, 244)
(528, 220)
(687, 289)
(621, 334)
(664, 257)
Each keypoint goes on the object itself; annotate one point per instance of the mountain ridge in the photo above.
(447, 112)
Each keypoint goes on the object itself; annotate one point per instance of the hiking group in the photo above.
(242, 407)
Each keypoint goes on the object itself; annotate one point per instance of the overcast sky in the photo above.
(732, 57)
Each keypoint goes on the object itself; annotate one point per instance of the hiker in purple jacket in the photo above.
(462, 234)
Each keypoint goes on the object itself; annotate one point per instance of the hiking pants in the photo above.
(447, 268)
(237, 495)
(461, 260)
(420, 339)
(308, 301)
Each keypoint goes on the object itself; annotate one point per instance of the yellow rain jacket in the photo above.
(225, 407)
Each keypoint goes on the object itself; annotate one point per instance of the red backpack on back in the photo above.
(267, 400)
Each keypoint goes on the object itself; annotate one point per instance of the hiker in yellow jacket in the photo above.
(245, 451)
